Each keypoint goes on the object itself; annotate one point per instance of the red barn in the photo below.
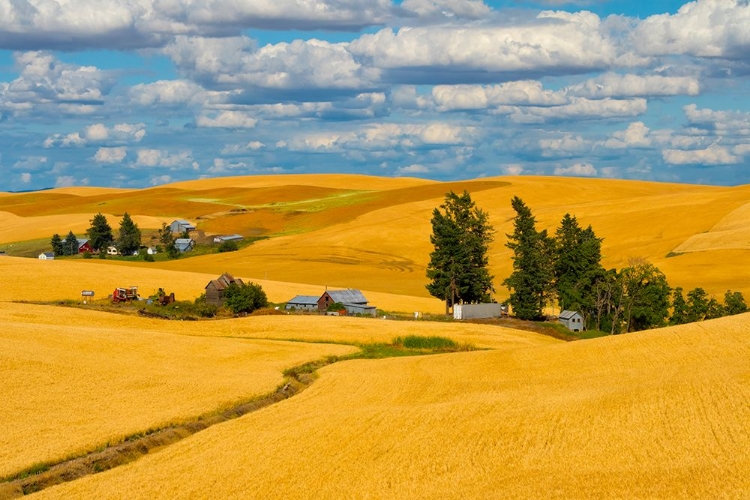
(84, 246)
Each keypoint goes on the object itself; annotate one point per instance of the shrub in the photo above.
(336, 307)
(203, 308)
(245, 299)
(228, 246)
(87, 255)
(148, 257)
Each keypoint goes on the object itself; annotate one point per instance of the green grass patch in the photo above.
(29, 248)
(431, 343)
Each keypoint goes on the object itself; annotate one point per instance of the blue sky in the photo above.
(138, 93)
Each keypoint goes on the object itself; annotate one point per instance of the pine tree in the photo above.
(100, 233)
(130, 236)
(57, 245)
(70, 245)
(577, 267)
(532, 275)
(458, 267)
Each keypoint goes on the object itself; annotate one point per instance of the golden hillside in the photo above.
(75, 380)
(660, 414)
(373, 233)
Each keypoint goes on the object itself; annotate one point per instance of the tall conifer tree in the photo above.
(458, 267)
(130, 236)
(100, 233)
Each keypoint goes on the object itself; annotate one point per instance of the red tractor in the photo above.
(125, 294)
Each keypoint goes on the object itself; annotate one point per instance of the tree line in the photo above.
(101, 237)
(563, 269)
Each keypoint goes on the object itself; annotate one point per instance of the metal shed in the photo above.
(303, 303)
(572, 320)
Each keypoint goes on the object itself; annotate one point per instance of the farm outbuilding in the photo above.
(84, 246)
(181, 225)
(215, 288)
(303, 303)
(572, 320)
(46, 256)
(228, 237)
(354, 302)
(184, 244)
(477, 311)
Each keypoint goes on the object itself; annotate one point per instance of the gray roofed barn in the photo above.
(572, 320)
(181, 225)
(303, 302)
(184, 244)
(215, 288)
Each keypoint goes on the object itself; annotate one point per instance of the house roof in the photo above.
(223, 281)
(347, 296)
(308, 300)
(568, 314)
(183, 241)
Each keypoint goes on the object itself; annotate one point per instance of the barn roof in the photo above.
(308, 300)
(223, 281)
(82, 241)
(347, 296)
(568, 314)
(183, 222)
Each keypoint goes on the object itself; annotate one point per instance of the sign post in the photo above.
(86, 294)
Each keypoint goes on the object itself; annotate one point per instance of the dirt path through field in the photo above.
(137, 446)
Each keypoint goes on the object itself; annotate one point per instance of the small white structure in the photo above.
(572, 320)
(477, 311)
(112, 250)
(152, 251)
(46, 256)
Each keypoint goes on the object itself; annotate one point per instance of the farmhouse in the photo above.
(353, 300)
(180, 226)
(184, 244)
(215, 288)
(303, 303)
(152, 251)
(112, 250)
(228, 237)
(84, 246)
(572, 320)
(46, 256)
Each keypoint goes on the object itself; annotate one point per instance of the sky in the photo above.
(138, 93)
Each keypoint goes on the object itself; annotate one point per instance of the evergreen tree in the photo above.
(57, 245)
(100, 233)
(70, 245)
(697, 305)
(679, 308)
(530, 282)
(458, 267)
(734, 303)
(130, 236)
(577, 267)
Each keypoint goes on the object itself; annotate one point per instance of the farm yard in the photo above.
(655, 414)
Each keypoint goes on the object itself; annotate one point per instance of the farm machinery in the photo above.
(125, 294)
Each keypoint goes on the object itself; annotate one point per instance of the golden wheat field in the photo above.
(373, 233)
(74, 380)
(660, 414)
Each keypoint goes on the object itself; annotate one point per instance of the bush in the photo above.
(228, 246)
(336, 307)
(245, 299)
(203, 308)
(102, 254)
(148, 257)
(87, 255)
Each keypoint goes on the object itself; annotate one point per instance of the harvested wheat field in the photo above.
(661, 414)
(373, 233)
(75, 380)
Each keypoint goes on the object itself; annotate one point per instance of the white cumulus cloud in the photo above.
(712, 155)
(578, 170)
(110, 155)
